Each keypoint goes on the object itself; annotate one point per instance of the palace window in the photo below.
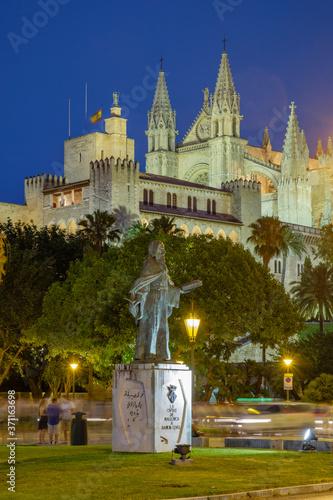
(194, 204)
(67, 198)
(214, 207)
(151, 197)
(145, 197)
(168, 200)
(174, 200)
(300, 268)
(277, 266)
(77, 196)
(189, 203)
(208, 206)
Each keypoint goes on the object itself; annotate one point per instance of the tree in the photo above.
(320, 390)
(314, 293)
(165, 225)
(38, 258)
(97, 230)
(88, 315)
(293, 243)
(268, 237)
(124, 219)
(324, 248)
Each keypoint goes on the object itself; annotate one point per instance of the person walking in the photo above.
(53, 411)
(42, 423)
(67, 408)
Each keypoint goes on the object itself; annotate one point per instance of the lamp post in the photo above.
(192, 326)
(74, 366)
(288, 378)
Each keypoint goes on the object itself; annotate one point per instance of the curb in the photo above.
(274, 492)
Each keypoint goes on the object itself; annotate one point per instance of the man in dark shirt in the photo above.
(53, 411)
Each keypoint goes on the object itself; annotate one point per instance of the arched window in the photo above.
(277, 266)
(145, 197)
(174, 200)
(194, 204)
(168, 200)
(189, 203)
(208, 206)
(214, 207)
(151, 197)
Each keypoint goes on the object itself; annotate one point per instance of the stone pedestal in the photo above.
(151, 408)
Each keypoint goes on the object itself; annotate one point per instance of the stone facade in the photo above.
(213, 182)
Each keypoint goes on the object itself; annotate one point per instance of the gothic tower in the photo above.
(294, 189)
(226, 147)
(161, 157)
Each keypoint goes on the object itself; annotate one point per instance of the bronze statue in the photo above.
(153, 296)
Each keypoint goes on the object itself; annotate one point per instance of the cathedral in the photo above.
(212, 182)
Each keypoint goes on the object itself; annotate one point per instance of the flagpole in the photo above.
(102, 117)
(69, 118)
(86, 107)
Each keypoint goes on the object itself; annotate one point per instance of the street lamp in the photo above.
(288, 378)
(192, 326)
(74, 366)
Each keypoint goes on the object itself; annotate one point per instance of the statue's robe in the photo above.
(153, 295)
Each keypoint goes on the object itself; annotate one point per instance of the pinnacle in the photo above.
(161, 108)
(225, 89)
(319, 150)
(329, 149)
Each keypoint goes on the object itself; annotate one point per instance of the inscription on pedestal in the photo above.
(172, 410)
(133, 410)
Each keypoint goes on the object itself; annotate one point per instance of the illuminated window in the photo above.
(77, 198)
(67, 198)
(56, 200)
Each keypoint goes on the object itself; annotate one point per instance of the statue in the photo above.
(115, 99)
(153, 296)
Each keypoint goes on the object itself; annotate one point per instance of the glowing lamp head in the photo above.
(74, 365)
(192, 326)
(288, 361)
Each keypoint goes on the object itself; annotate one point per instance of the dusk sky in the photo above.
(278, 52)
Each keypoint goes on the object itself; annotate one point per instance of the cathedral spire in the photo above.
(319, 150)
(161, 119)
(295, 156)
(225, 113)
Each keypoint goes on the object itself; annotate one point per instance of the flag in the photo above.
(96, 117)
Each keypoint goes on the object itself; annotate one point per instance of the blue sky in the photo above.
(278, 52)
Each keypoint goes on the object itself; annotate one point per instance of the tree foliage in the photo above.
(38, 258)
(314, 293)
(98, 229)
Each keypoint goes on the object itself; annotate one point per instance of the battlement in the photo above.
(35, 182)
(112, 162)
(53, 181)
(241, 183)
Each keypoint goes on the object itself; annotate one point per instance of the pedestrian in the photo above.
(42, 422)
(67, 408)
(53, 411)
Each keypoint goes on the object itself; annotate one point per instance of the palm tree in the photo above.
(165, 225)
(124, 219)
(314, 293)
(293, 243)
(97, 230)
(269, 238)
(137, 228)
